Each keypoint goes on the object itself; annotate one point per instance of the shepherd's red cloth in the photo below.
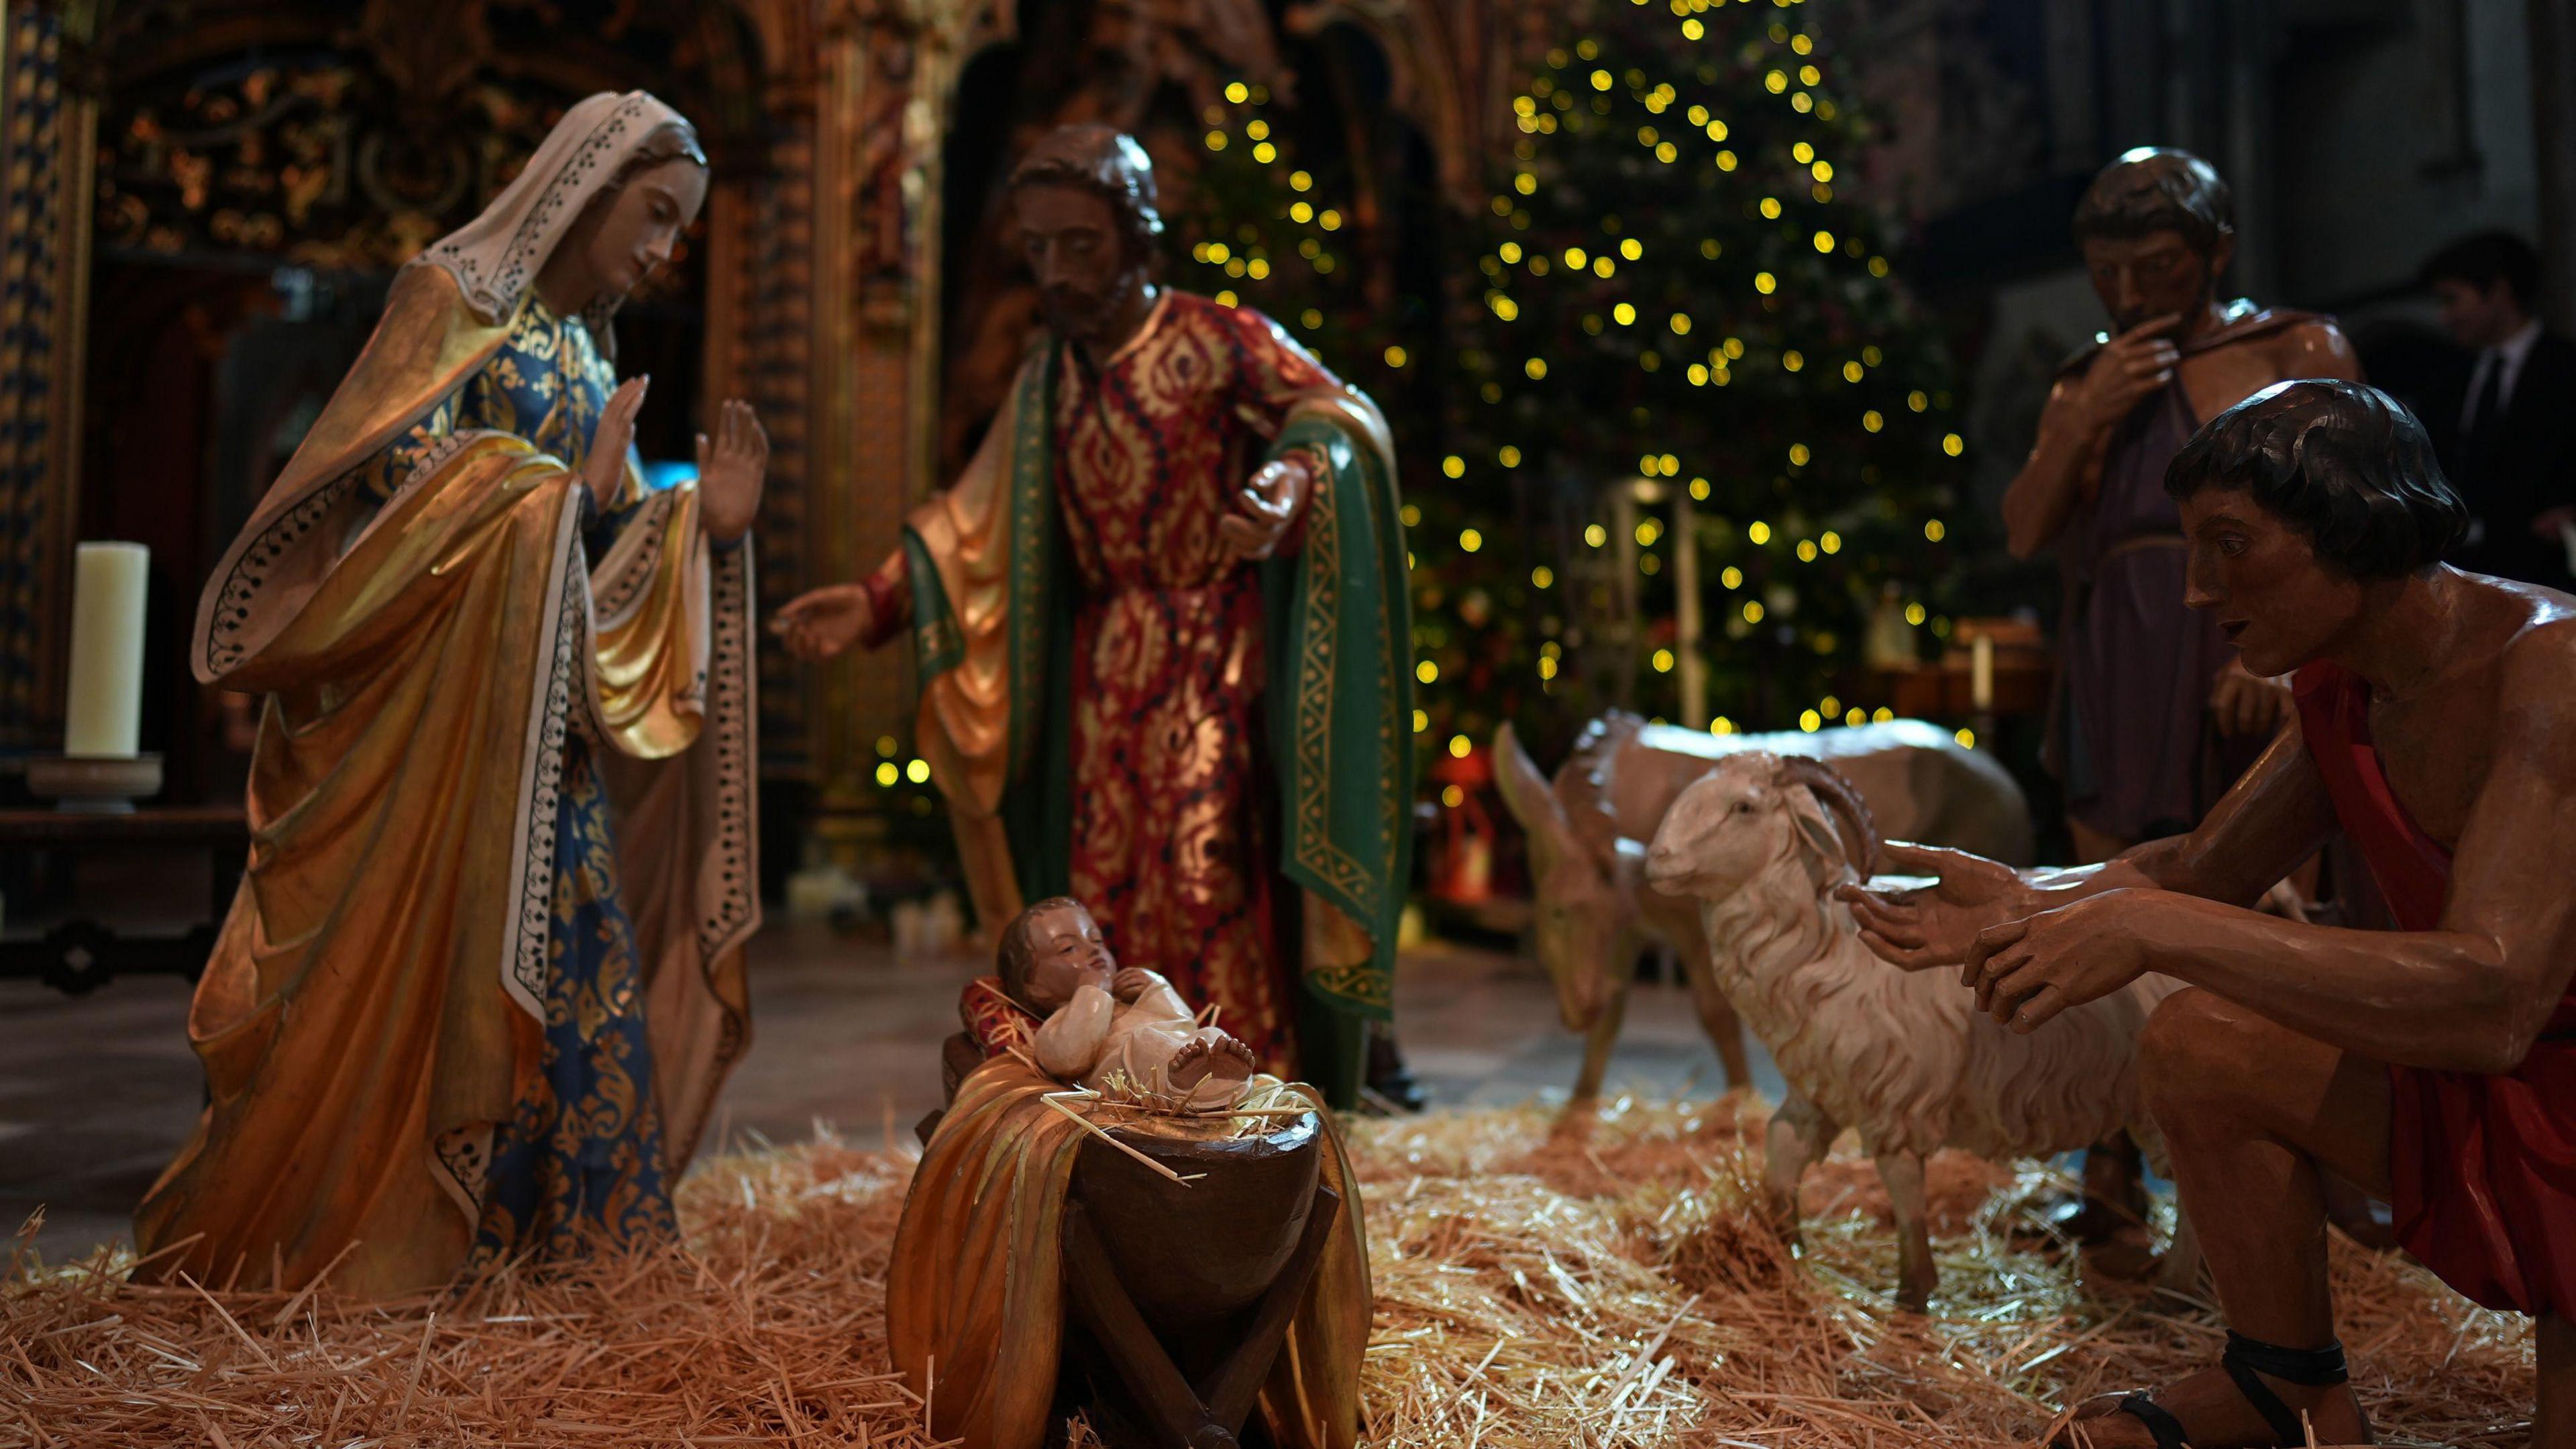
(2485, 1166)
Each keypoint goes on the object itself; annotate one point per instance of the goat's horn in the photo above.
(1836, 794)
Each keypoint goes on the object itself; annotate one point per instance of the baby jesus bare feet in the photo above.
(1225, 1059)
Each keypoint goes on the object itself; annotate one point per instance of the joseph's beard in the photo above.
(1075, 314)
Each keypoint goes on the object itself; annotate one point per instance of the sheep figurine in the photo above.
(1762, 841)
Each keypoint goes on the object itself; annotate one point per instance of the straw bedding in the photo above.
(1607, 1286)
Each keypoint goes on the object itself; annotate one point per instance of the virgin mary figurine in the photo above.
(484, 973)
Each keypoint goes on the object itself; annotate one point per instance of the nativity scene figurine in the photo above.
(484, 976)
(1163, 628)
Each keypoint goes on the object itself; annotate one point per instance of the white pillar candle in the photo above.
(104, 710)
(1981, 673)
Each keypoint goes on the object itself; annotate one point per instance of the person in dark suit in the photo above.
(2513, 458)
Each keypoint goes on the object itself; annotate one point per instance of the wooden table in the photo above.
(82, 954)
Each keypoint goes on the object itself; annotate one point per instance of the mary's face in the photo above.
(2275, 600)
(634, 233)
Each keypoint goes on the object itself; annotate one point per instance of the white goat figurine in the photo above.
(1906, 1057)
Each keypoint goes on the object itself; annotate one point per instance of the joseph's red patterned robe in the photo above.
(1172, 846)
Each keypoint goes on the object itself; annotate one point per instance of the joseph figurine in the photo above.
(1164, 635)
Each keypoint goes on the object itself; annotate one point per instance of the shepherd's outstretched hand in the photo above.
(1918, 927)
(731, 471)
(2027, 971)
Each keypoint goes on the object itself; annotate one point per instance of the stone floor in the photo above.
(98, 1092)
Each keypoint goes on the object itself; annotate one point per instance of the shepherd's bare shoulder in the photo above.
(2316, 347)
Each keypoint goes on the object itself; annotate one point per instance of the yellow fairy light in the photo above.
(886, 746)
(1603, 266)
(1624, 314)
(1227, 298)
(1663, 661)
(1802, 103)
(1692, 29)
(1648, 532)
(1753, 611)
(1829, 705)
(1699, 374)
(1577, 258)
(1967, 739)
(1731, 576)
(1216, 140)
(1300, 181)
(1536, 367)
(1681, 324)
(887, 774)
(1709, 248)
(1721, 726)
(1302, 212)
(1914, 615)
(1595, 535)
(1452, 796)
(1793, 359)
(1806, 550)
(1412, 516)
(1524, 106)
(1798, 455)
(1802, 44)
(1699, 489)
(1775, 82)
(1852, 372)
(1824, 243)
(1832, 542)
(1265, 153)
(1725, 160)
(1256, 269)
(1878, 266)
(1509, 251)
(1810, 721)
(1934, 531)
(1421, 720)
(1648, 135)
(1672, 467)
(1218, 252)
(1882, 714)
(1257, 129)
(1650, 465)
(1809, 75)
(1329, 219)
(1454, 466)
(1871, 421)
(1760, 533)
(1459, 745)
(1822, 171)
(1542, 577)
(1953, 444)
(1238, 92)
(1469, 540)
(1802, 153)
(1632, 249)
(1601, 80)
(1395, 357)
(1508, 456)
(1667, 152)
(1856, 716)
(1547, 669)
(1765, 283)
(1872, 355)
(1770, 208)
(1427, 672)
(1505, 307)
(918, 772)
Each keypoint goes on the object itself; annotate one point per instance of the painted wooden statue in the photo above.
(484, 975)
(1164, 635)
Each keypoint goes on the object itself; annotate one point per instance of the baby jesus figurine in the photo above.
(1104, 1023)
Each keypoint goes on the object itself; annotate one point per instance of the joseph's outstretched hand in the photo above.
(1919, 927)
(821, 623)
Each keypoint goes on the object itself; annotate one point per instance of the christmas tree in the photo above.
(1695, 386)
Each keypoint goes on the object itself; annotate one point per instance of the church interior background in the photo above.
(206, 201)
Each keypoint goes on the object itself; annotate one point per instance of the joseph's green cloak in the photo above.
(1338, 630)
